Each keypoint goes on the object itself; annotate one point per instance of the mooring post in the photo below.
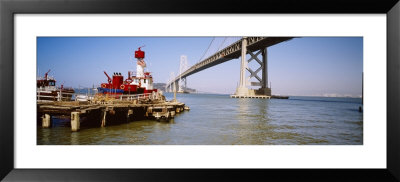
(103, 122)
(46, 121)
(75, 122)
(130, 112)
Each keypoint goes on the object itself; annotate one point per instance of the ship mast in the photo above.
(45, 75)
(139, 55)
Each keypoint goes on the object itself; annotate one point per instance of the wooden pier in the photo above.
(101, 111)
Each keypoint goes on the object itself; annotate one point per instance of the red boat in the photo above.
(141, 82)
(46, 89)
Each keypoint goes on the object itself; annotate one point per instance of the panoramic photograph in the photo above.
(199, 91)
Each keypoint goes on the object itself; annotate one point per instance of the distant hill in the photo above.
(161, 86)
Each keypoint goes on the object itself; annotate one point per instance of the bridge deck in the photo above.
(232, 51)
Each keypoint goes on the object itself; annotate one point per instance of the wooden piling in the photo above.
(93, 113)
(46, 121)
(75, 122)
(103, 121)
(172, 114)
(128, 115)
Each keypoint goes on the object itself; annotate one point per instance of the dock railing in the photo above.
(88, 97)
(131, 97)
(42, 97)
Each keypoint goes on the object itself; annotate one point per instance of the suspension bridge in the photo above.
(256, 47)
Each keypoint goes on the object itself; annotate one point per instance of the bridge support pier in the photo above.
(264, 90)
(182, 85)
(169, 88)
(242, 91)
(176, 86)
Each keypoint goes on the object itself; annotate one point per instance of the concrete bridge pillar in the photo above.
(243, 64)
(182, 84)
(242, 90)
(177, 85)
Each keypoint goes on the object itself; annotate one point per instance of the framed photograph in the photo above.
(136, 90)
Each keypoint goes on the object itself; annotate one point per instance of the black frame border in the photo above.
(8, 8)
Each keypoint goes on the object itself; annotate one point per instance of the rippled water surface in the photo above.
(221, 120)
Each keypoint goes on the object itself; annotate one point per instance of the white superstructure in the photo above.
(140, 68)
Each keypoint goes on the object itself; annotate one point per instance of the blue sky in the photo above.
(313, 66)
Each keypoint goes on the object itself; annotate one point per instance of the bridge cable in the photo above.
(219, 48)
(206, 49)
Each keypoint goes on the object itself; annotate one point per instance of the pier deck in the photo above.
(105, 112)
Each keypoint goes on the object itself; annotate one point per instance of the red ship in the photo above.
(141, 82)
(46, 89)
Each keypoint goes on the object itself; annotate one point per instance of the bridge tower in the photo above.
(183, 66)
(242, 91)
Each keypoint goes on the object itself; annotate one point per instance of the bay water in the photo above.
(217, 119)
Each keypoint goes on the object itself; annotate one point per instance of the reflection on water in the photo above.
(221, 120)
(74, 138)
(253, 118)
